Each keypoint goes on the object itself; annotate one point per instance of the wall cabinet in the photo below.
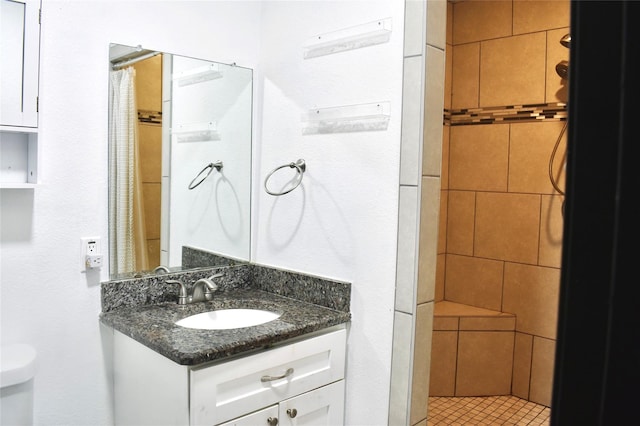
(19, 67)
(300, 383)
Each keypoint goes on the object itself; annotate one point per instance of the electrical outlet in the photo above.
(91, 254)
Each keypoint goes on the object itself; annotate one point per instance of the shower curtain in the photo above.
(127, 239)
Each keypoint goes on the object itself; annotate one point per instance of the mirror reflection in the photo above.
(179, 162)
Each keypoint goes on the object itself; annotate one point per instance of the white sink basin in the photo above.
(226, 319)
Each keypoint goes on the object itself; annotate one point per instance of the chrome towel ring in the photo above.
(300, 167)
(208, 168)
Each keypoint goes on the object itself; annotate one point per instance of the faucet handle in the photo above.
(182, 293)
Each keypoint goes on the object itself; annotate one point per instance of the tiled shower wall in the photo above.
(149, 98)
(500, 236)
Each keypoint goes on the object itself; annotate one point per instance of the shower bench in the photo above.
(472, 351)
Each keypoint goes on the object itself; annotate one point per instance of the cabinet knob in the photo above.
(292, 412)
(272, 421)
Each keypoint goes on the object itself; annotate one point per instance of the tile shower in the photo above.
(500, 238)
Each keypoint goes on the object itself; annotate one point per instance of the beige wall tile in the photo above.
(149, 83)
(538, 15)
(421, 362)
(433, 112)
(460, 222)
(481, 20)
(449, 22)
(531, 293)
(153, 252)
(443, 363)
(522, 365)
(446, 323)
(442, 219)
(437, 23)
(551, 225)
(557, 88)
(440, 268)
(444, 173)
(512, 70)
(507, 226)
(479, 157)
(151, 197)
(427, 260)
(474, 281)
(542, 364)
(529, 154)
(448, 70)
(485, 360)
(454, 309)
(465, 76)
(504, 322)
(150, 150)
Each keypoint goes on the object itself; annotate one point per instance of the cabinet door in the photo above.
(320, 407)
(19, 62)
(266, 417)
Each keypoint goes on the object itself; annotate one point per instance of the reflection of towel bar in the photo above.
(209, 167)
(300, 167)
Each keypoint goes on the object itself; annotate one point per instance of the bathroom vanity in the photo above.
(301, 380)
(290, 370)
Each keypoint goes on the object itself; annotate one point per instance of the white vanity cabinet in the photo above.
(19, 67)
(323, 406)
(300, 382)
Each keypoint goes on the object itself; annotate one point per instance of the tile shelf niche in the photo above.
(369, 34)
(343, 119)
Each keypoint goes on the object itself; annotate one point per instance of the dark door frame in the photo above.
(597, 370)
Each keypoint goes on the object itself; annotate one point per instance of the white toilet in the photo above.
(17, 369)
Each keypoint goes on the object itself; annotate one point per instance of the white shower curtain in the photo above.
(127, 247)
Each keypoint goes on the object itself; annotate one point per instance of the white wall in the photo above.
(342, 222)
(46, 300)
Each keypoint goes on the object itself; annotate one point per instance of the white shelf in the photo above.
(197, 75)
(19, 158)
(369, 34)
(196, 132)
(343, 119)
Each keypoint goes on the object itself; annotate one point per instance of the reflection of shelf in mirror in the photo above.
(197, 132)
(197, 75)
(364, 35)
(352, 118)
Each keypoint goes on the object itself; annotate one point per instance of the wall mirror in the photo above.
(179, 162)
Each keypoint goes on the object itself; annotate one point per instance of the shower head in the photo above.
(566, 41)
(562, 68)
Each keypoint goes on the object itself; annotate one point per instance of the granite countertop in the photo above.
(154, 325)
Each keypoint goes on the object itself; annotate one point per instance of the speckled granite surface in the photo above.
(146, 310)
(195, 258)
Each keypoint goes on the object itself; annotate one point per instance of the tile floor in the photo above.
(486, 410)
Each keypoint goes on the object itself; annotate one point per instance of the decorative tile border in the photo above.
(506, 114)
(153, 117)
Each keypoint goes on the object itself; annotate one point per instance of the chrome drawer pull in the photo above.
(272, 421)
(271, 378)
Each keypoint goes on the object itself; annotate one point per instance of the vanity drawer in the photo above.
(225, 391)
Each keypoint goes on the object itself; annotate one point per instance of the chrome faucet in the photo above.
(161, 268)
(202, 290)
